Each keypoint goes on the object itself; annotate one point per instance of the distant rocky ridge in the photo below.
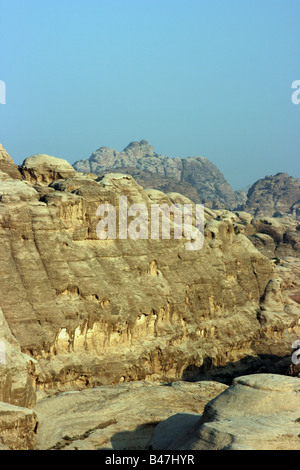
(198, 179)
(194, 177)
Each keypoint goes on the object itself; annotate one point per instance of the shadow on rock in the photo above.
(134, 440)
(261, 364)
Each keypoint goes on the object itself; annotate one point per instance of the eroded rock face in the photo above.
(93, 311)
(258, 412)
(17, 385)
(45, 169)
(7, 166)
(18, 428)
(78, 312)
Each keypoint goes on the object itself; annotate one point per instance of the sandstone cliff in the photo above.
(82, 299)
(80, 312)
(7, 166)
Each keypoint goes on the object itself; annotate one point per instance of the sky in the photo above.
(208, 78)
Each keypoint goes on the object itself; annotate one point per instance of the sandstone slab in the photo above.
(118, 417)
(258, 412)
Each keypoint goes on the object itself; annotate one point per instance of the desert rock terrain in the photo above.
(84, 318)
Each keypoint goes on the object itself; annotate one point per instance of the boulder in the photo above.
(258, 412)
(45, 169)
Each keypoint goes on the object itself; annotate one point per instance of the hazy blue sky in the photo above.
(193, 77)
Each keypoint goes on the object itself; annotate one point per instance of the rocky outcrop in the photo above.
(78, 312)
(279, 240)
(8, 169)
(73, 302)
(18, 428)
(198, 179)
(276, 236)
(258, 412)
(45, 169)
(195, 177)
(162, 183)
(277, 195)
(17, 385)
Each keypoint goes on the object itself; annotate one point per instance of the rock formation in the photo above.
(45, 169)
(258, 412)
(78, 312)
(277, 195)
(118, 417)
(195, 177)
(198, 179)
(18, 427)
(7, 165)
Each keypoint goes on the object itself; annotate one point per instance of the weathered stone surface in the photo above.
(14, 190)
(45, 169)
(78, 312)
(7, 165)
(198, 179)
(97, 312)
(116, 417)
(258, 412)
(17, 385)
(18, 428)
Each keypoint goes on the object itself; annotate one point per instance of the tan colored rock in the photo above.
(45, 169)
(264, 243)
(14, 190)
(116, 417)
(5, 176)
(17, 385)
(258, 412)
(7, 165)
(94, 312)
(18, 427)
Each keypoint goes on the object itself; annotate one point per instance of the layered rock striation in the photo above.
(96, 311)
(79, 312)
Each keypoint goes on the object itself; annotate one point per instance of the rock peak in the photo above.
(139, 149)
(4, 155)
(7, 165)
